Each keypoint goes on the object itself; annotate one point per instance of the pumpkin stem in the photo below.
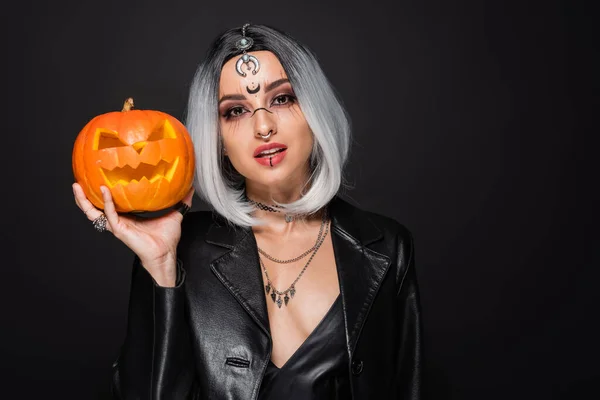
(128, 105)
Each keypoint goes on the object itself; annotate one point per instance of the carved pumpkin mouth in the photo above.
(144, 172)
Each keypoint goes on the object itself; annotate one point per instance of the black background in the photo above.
(471, 123)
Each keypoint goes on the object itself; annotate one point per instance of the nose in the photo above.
(139, 146)
(264, 123)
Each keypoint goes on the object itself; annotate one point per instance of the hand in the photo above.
(153, 240)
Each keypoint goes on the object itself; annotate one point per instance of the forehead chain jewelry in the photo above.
(246, 59)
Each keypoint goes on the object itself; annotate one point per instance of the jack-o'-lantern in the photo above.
(144, 157)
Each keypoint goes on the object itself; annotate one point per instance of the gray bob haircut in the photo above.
(217, 182)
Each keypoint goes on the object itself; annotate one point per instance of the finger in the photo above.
(109, 207)
(77, 194)
(84, 204)
(188, 197)
(182, 207)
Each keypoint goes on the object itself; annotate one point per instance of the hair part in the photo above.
(216, 181)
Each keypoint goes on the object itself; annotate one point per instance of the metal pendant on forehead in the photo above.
(247, 59)
(244, 45)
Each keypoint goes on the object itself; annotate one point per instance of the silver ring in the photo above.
(100, 223)
(266, 136)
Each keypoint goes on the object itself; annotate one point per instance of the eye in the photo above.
(106, 139)
(283, 99)
(234, 112)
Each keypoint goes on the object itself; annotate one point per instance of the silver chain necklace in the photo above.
(291, 290)
(301, 256)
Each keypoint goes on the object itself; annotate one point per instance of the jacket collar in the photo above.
(360, 269)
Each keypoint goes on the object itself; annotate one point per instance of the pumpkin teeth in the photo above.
(151, 173)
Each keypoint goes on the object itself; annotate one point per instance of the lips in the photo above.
(269, 146)
(271, 160)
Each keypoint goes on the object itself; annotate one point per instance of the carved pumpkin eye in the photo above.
(163, 130)
(106, 139)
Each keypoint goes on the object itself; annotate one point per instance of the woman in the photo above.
(284, 290)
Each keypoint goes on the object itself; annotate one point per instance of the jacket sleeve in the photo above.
(155, 361)
(409, 367)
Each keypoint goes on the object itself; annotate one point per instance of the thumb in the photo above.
(185, 204)
(188, 197)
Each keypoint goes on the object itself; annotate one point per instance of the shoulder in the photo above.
(201, 226)
(388, 225)
(197, 221)
(398, 238)
(197, 224)
(372, 221)
(195, 246)
(379, 233)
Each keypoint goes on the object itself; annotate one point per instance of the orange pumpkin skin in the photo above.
(145, 158)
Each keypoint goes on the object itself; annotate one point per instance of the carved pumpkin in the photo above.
(144, 157)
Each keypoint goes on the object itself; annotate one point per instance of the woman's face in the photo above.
(258, 105)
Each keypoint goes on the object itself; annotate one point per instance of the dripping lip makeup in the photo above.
(271, 159)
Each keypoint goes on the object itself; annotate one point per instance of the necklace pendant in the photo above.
(273, 295)
(288, 218)
(286, 299)
(268, 288)
(279, 301)
(292, 291)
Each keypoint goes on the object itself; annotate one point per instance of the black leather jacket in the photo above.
(208, 338)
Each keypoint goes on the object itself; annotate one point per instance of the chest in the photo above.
(300, 294)
(234, 325)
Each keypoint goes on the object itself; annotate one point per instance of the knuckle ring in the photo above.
(182, 208)
(100, 223)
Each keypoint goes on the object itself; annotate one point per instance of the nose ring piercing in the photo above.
(267, 135)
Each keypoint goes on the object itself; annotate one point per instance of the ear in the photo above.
(224, 152)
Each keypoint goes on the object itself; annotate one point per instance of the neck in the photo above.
(275, 222)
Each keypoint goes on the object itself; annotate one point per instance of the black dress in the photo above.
(318, 370)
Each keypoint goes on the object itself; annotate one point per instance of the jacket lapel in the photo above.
(239, 270)
(360, 269)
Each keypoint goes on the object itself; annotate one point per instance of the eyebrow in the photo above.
(232, 97)
(270, 86)
(276, 83)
